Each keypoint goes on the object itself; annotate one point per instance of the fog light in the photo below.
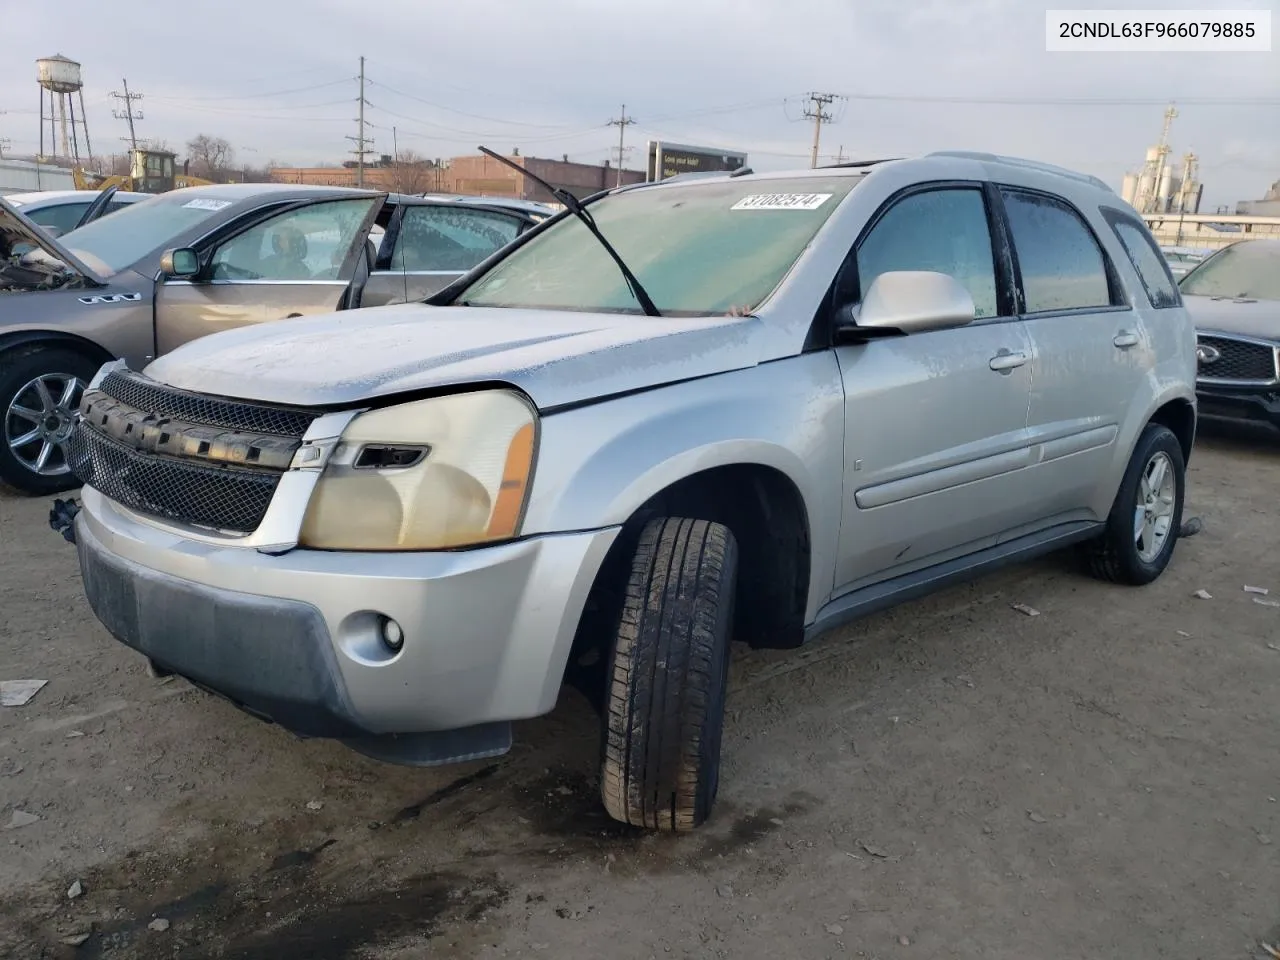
(392, 635)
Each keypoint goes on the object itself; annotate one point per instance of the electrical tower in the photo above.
(819, 115)
(363, 144)
(622, 125)
(128, 113)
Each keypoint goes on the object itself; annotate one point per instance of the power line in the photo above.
(129, 113)
(622, 123)
(464, 113)
(819, 115)
(1069, 101)
(255, 96)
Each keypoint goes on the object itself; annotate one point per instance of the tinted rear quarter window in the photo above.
(1062, 266)
(1146, 258)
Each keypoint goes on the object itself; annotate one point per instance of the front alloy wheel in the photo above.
(40, 392)
(39, 422)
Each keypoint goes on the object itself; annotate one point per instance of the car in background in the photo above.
(179, 265)
(1234, 299)
(539, 211)
(60, 211)
(1183, 259)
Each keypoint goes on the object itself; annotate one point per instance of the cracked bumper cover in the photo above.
(288, 638)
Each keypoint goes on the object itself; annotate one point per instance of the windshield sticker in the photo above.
(206, 204)
(782, 201)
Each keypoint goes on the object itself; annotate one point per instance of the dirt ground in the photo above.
(950, 779)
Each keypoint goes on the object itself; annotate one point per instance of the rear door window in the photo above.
(1062, 266)
(450, 239)
(1148, 262)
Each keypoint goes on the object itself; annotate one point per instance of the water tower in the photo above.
(59, 77)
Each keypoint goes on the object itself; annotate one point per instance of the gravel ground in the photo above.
(949, 779)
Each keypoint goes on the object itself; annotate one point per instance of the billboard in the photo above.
(672, 159)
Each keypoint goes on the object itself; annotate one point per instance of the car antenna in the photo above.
(578, 210)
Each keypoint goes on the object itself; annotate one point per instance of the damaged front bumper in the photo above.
(295, 638)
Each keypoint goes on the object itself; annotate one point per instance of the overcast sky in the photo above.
(277, 79)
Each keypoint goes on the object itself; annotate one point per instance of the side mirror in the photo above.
(181, 263)
(909, 301)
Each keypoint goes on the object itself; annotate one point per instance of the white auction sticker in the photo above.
(206, 204)
(782, 201)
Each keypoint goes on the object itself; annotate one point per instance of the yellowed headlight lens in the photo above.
(468, 487)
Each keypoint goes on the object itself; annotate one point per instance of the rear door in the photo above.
(437, 243)
(297, 262)
(1092, 352)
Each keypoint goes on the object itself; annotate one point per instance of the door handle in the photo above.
(1006, 362)
(1124, 340)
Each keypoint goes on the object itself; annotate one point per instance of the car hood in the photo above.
(1248, 318)
(14, 222)
(557, 358)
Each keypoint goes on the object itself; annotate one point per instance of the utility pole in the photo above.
(395, 145)
(840, 157)
(129, 113)
(4, 144)
(622, 125)
(819, 115)
(360, 140)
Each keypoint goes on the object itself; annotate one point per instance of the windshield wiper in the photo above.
(579, 211)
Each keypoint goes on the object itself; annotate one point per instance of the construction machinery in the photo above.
(150, 171)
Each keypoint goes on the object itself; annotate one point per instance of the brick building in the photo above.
(487, 177)
(478, 175)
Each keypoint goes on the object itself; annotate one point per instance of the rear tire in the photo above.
(1146, 518)
(667, 674)
(20, 401)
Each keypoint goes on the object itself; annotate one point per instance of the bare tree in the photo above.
(409, 173)
(210, 157)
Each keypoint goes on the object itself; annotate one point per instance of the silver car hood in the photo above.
(1248, 318)
(13, 221)
(555, 357)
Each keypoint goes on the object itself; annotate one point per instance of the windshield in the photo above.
(1249, 269)
(697, 249)
(135, 230)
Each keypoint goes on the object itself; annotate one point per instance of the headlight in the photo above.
(446, 472)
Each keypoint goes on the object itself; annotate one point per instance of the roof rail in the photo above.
(857, 163)
(1026, 165)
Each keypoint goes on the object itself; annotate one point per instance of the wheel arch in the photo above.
(27, 340)
(1179, 415)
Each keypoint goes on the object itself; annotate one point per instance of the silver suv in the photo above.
(745, 407)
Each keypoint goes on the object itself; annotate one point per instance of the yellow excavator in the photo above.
(150, 171)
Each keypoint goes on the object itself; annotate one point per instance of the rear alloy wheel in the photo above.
(1146, 518)
(40, 391)
(668, 670)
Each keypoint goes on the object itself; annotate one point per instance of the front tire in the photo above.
(668, 670)
(40, 390)
(1143, 527)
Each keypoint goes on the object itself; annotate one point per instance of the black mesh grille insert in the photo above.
(1239, 360)
(226, 498)
(151, 397)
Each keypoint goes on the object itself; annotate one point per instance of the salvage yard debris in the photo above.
(18, 693)
(21, 818)
(1023, 608)
(1204, 594)
(1262, 591)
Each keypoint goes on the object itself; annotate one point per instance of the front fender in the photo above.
(597, 465)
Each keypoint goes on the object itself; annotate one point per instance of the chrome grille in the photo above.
(223, 497)
(1239, 360)
(151, 397)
